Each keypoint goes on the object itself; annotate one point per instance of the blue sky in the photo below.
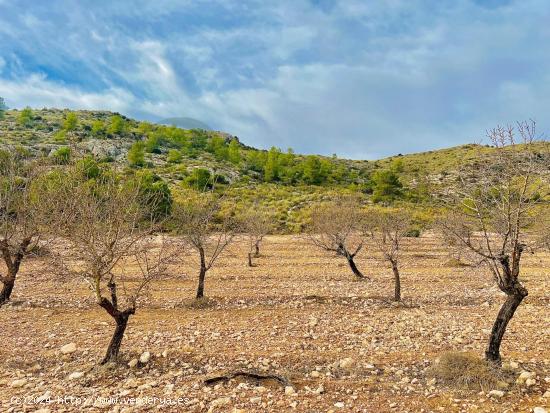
(362, 79)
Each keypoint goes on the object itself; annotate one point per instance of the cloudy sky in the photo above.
(359, 78)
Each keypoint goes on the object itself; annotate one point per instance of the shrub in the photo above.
(117, 125)
(136, 154)
(466, 371)
(200, 179)
(71, 121)
(174, 156)
(26, 117)
(62, 155)
(98, 128)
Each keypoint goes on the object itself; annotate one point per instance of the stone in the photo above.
(346, 363)
(133, 363)
(339, 405)
(145, 357)
(315, 374)
(496, 393)
(255, 400)
(222, 401)
(76, 375)
(514, 365)
(18, 383)
(530, 382)
(546, 395)
(289, 390)
(524, 376)
(68, 348)
(540, 410)
(502, 385)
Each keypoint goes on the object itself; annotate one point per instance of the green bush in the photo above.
(200, 179)
(26, 118)
(136, 154)
(174, 156)
(71, 121)
(62, 156)
(117, 125)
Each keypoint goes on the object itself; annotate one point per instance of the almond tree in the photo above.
(387, 229)
(490, 212)
(335, 227)
(203, 229)
(257, 222)
(22, 225)
(106, 239)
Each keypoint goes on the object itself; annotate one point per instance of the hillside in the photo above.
(196, 158)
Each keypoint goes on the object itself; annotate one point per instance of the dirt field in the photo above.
(298, 314)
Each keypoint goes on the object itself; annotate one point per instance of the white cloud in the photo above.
(36, 91)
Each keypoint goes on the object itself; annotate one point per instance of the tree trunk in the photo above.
(202, 274)
(354, 268)
(504, 316)
(116, 340)
(7, 288)
(257, 249)
(397, 294)
(250, 260)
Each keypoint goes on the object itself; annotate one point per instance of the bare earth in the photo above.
(298, 314)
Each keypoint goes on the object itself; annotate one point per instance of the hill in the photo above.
(200, 159)
(185, 123)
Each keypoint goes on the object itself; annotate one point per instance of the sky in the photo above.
(362, 79)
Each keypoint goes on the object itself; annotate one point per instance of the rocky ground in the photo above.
(299, 314)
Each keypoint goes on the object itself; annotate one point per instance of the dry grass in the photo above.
(465, 370)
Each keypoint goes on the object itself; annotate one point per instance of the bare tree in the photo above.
(106, 240)
(204, 229)
(335, 227)
(387, 229)
(22, 227)
(490, 212)
(257, 222)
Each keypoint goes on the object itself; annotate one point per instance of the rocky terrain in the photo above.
(299, 315)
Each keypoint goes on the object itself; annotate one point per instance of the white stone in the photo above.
(524, 376)
(18, 383)
(339, 405)
(530, 382)
(133, 363)
(315, 374)
(68, 348)
(496, 393)
(76, 375)
(145, 357)
(289, 390)
(514, 365)
(346, 363)
(540, 410)
(546, 395)
(222, 401)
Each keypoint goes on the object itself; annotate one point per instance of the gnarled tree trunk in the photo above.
(354, 268)
(202, 274)
(397, 279)
(504, 316)
(515, 292)
(257, 248)
(250, 260)
(114, 346)
(13, 263)
(7, 287)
